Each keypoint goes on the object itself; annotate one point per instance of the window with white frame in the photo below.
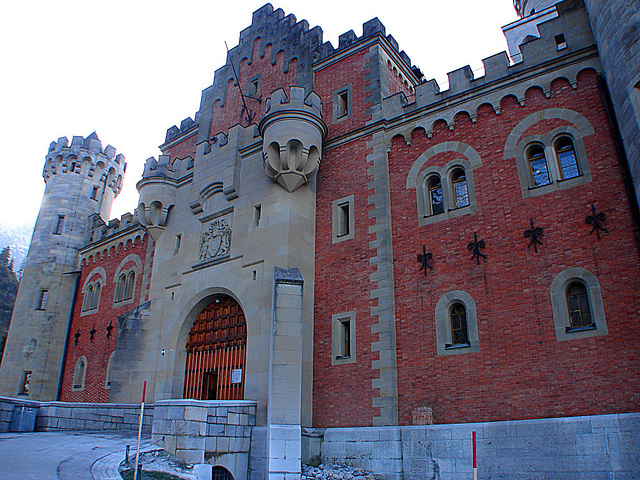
(79, 374)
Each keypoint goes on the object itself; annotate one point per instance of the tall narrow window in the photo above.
(343, 219)
(107, 381)
(87, 299)
(460, 189)
(120, 288)
(434, 192)
(567, 162)
(57, 230)
(94, 192)
(79, 373)
(345, 326)
(131, 280)
(257, 215)
(459, 331)
(578, 303)
(538, 166)
(25, 384)
(42, 301)
(95, 301)
(343, 103)
(176, 247)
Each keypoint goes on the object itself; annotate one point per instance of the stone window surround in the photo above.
(91, 280)
(337, 338)
(137, 269)
(468, 159)
(336, 212)
(443, 323)
(337, 115)
(548, 142)
(80, 360)
(448, 195)
(560, 308)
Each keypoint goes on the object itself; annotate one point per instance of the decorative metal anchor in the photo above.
(424, 259)
(77, 336)
(92, 332)
(475, 247)
(109, 328)
(595, 220)
(534, 233)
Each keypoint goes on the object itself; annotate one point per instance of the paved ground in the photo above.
(65, 455)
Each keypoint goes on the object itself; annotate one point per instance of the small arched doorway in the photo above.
(216, 352)
(220, 473)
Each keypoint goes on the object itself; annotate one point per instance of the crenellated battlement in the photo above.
(502, 78)
(100, 230)
(369, 29)
(85, 156)
(187, 125)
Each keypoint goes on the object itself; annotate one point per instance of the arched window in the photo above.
(95, 301)
(87, 299)
(131, 281)
(435, 199)
(460, 189)
(578, 303)
(79, 373)
(567, 163)
(107, 381)
(220, 473)
(538, 167)
(120, 288)
(459, 332)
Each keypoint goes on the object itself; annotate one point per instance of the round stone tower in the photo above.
(81, 179)
(529, 7)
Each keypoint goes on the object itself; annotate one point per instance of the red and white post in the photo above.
(144, 390)
(475, 457)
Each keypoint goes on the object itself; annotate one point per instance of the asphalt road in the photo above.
(59, 455)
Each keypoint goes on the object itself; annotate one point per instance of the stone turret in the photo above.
(82, 179)
(530, 7)
(292, 131)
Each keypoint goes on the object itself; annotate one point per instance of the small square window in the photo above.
(42, 301)
(253, 88)
(561, 43)
(343, 103)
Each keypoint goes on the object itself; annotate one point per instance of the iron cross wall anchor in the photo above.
(109, 328)
(475, 247)
(595, 219)
(534, 233)
(76, 336)
(424, 258)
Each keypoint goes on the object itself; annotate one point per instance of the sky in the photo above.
(130, 69)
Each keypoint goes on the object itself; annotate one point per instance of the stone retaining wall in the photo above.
(78, 416)
(581, 448)
(207, 431)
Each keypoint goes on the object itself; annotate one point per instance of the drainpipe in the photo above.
(66, 338)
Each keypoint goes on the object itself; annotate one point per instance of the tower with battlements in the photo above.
(82, 178)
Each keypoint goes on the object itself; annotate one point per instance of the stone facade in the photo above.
(299, 198)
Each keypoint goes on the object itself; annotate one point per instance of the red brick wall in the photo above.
(97, 352)
(521, 370)
(272, 77)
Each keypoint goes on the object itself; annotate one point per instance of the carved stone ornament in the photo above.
(215, 241)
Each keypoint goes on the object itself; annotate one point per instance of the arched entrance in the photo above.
(216, 352)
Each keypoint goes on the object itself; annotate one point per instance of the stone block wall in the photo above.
(589, 447)
(217, 432)
(79, 416)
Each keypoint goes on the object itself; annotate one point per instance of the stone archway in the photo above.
(216, 352)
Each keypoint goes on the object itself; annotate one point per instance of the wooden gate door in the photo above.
(216, 352)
